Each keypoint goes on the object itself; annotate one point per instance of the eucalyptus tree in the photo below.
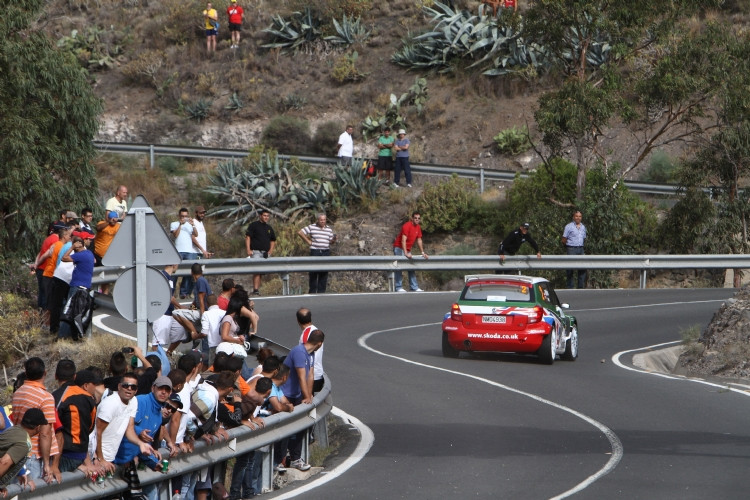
(48, 120)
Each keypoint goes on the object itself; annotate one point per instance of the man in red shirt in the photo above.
(236, 15)
(410, 233)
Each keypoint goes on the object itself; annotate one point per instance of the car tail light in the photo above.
(536, 314)
(456, 313)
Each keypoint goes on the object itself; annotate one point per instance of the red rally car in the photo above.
(508, 313)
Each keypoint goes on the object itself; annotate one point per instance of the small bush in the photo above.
(443, 277)
(292, 101)
(21, 327)
(146, 68)
(170, 165)
(661, 168)
(181, 24)
(326, 137)
(444, 206)
(345, 69)
(288, 135)
(513, 141)
(198, 110)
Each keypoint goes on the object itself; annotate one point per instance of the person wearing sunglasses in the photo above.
(112, 419)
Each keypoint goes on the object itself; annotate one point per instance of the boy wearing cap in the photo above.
(15, 446)
(515, 239)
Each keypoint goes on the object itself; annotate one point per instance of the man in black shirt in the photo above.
(515, 239)
(260, 241)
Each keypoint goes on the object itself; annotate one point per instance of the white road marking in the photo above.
(616, 360)
(616, 445)
(365, 443)
(650, 305)
(97, 321)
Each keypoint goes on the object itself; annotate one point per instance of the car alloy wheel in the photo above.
(571, 345)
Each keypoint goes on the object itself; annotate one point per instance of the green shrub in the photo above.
(661, 168)
(353, 186)
(345, 68)
(513, 141)
(302, 28)
(170, 164)
(198, 110)
(292, 101)
(444, 206)
(288, 135)
(181, 25)
(326, 137)
(687, 221)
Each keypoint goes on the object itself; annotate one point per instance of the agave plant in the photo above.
(300, 29)
(268, 183)
(349, 31)
(353, 183)
(495, 48)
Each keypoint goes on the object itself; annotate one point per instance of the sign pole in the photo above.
(141, 297)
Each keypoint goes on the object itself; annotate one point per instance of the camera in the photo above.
(128, 350)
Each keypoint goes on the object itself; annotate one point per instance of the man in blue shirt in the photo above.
(574, 235)
(298, 390)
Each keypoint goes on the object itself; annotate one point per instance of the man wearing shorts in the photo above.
(211, 18)
(236, 16)
(385, 154)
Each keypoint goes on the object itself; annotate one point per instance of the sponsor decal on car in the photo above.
(503, 336)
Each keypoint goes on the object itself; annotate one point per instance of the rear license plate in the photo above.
(494, 319)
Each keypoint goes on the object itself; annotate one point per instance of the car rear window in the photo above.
(498, 292)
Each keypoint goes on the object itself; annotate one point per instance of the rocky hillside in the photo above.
(723, 349)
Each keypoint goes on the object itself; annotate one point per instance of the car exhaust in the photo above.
(467, 344)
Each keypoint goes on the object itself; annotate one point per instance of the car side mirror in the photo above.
(565, 306)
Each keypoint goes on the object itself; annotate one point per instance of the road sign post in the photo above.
(142, 293)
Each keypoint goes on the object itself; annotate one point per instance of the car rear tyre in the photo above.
(448, 350)
(547, 351)
(571, 346)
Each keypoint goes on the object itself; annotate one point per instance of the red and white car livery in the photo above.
(508, 313)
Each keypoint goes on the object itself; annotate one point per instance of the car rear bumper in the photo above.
(524, 341)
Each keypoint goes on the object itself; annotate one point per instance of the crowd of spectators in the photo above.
(101, 425)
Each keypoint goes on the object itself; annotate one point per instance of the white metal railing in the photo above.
(242, 440)
(478, 173)
(526, 264)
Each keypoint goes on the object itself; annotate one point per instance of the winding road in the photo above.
(505, 426)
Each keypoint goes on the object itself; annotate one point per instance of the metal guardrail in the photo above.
(478, 173)
(521, 264)
(242, 440)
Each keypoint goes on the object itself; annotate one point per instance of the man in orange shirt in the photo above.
(33, 394)
(105, 233)
(51, 258)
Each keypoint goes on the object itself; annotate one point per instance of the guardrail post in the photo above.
(151, 156)
(267, 469)
(285, 284)
(642, 281)
(391, 282)
(481, 180)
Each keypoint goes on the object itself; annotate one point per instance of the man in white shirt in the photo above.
(183, 231)
(199, 241)
(211, 326)
(112, 418)
(118, 203)
(345, 147)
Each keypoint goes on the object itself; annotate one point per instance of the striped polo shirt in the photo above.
(321, 236)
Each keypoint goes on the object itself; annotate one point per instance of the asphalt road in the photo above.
(505, 426)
